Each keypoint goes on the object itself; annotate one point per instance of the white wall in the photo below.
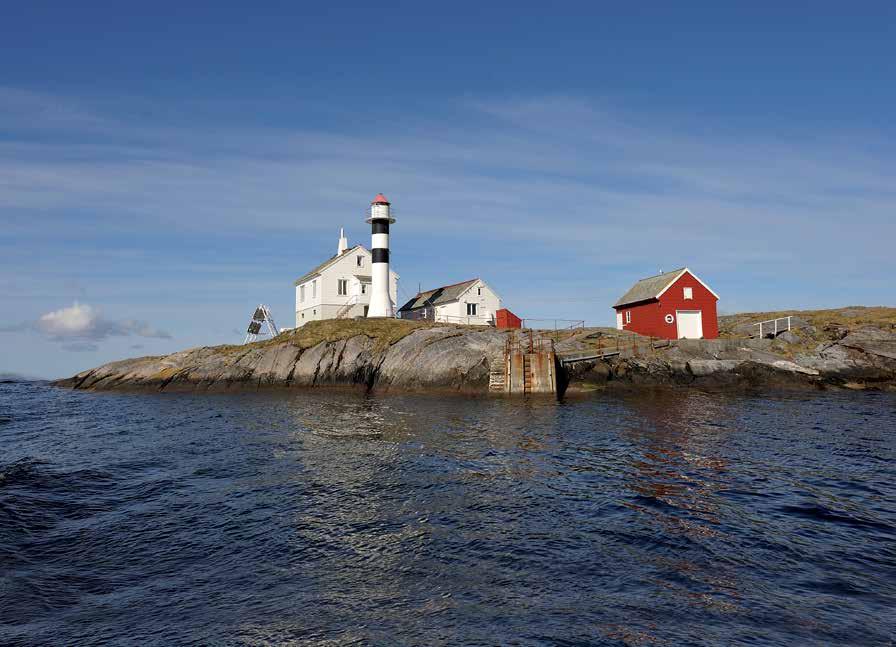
(328, 302)
(486, 300)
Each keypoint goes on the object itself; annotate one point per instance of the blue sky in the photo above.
(168, 168)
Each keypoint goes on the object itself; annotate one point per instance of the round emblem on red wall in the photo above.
(670, 319)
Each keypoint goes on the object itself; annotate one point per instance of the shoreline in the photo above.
(414, 357)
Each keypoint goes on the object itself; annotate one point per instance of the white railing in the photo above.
(772, 326)
(469, 320)
(556, 324)
(347, 306)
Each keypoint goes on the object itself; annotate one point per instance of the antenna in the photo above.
(261, 317)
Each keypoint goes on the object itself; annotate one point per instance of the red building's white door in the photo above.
(690, 324)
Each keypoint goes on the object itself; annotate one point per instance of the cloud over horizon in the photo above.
(79, 326)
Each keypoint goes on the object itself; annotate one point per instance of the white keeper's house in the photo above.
(338, 288)
(468, 302)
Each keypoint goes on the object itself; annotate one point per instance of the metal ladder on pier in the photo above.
(527, 374)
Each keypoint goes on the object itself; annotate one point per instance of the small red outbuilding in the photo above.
(673, 305)
(504, 318)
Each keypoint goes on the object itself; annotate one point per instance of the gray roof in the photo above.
(649, 288)
(437, 297)
(320, 268)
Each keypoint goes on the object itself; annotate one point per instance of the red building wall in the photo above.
(504, 318)
(649, 318)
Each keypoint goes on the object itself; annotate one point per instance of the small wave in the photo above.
(821, 513)
(21, 471)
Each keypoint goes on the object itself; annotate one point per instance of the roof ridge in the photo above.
(450, 285)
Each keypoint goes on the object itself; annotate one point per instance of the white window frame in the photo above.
(314, 289)
(301, 294)
(360, 260)
(342, 287)
(628, 316)
(363, 288)
(471, 309)
(688, 293)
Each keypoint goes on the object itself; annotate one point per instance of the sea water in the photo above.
(328, 517)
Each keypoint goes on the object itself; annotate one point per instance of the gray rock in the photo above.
(704, 367)
(788, 337)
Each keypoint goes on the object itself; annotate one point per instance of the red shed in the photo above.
(504, 318)
(674, 305)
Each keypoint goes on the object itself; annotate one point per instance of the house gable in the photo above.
(653, 287)
(693, 276)
(347, 259)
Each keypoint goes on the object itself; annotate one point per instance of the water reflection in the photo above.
(677, 471)
(321, 517)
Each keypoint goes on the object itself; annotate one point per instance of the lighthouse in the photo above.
(380, 218)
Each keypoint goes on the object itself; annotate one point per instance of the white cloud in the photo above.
(80, 324)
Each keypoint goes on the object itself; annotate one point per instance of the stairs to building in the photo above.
(497, 376)
(346, 308)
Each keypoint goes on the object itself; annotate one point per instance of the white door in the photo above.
(618, 321)
(690, 324)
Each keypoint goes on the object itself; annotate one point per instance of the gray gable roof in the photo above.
(439, 296)
(649, 288)
(320, 268)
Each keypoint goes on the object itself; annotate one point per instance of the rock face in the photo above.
(864, 358)
(443, 357)
(414, 356)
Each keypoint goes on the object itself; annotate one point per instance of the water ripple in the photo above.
(340, 519)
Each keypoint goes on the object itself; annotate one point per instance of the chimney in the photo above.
(343, 242)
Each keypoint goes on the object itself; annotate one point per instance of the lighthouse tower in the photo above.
(380, 218)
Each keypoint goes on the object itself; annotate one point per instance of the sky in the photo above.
(166, 168)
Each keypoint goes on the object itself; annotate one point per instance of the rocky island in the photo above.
(849, 348)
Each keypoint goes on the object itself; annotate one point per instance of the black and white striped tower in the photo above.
(380, 218)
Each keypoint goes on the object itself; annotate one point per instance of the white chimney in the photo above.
(343, 242)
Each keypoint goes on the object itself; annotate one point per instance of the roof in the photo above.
(439, 296)
(653, 287)
(320, 268)
(380, 199)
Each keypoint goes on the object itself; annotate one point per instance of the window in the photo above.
(360, 260)
(479, 290)
(342, 287)
(471, 309)
(313, 289)
(363, 288)
(689, 293)
(628, 316)
(302, 294)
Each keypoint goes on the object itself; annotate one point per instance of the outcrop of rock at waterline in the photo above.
(381, 353)
(853, 348)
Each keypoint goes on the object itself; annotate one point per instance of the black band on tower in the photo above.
(380, 226)
(380, 255)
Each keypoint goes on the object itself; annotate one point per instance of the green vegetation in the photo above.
(385, 331)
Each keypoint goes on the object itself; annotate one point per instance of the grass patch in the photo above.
(384, 332)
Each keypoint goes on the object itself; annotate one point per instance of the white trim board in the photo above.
(678, 276)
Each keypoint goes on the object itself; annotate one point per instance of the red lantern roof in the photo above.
(380, 199)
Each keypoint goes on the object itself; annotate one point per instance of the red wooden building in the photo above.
(673, 305)
(504, 318)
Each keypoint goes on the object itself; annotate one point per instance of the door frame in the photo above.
(678, 313)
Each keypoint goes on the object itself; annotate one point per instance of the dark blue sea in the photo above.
(335, 518)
